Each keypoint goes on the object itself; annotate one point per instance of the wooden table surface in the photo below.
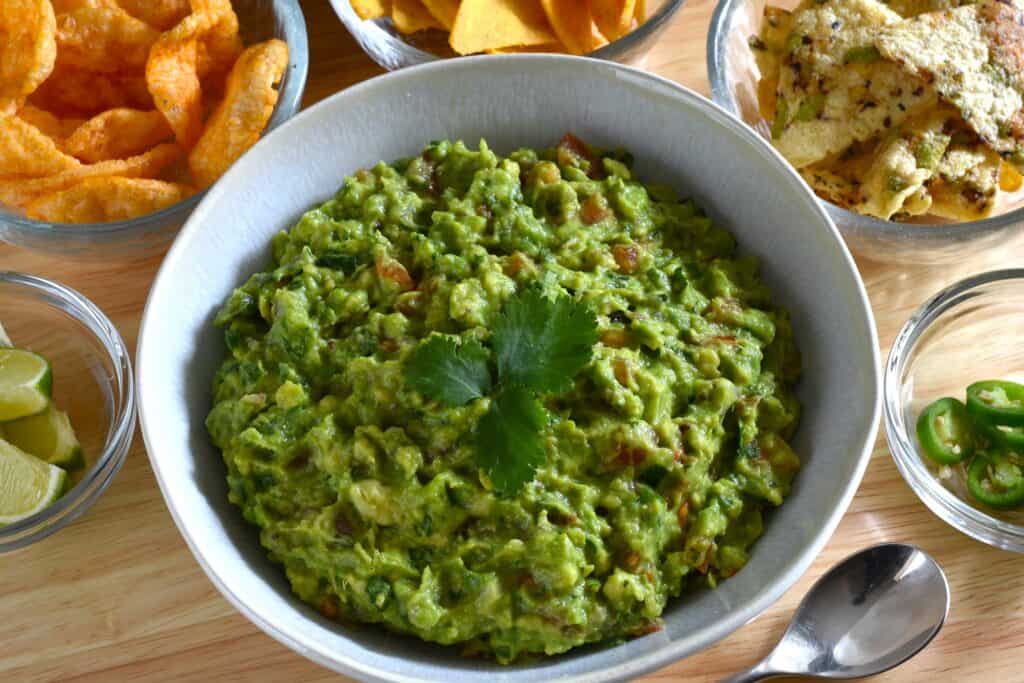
(118, 597)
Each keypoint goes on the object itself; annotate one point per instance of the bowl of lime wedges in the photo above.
(67, 407)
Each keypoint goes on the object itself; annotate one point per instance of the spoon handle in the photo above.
(759, 672)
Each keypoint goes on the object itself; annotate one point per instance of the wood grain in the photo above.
(118, 597)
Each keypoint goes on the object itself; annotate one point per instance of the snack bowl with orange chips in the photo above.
(401, 33)
(107, 148)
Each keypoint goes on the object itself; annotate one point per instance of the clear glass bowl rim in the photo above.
(288, 103)
(718, 32)
(900, 436)
(119, 434)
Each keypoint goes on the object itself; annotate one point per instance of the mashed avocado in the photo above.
(661, 460)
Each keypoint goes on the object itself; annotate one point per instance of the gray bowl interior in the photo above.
(678, 138)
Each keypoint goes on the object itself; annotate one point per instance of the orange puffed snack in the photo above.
(102, 103)
(243, 113)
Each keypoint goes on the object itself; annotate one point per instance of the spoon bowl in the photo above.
(871, 612)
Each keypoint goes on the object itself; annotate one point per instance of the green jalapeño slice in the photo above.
(997, 402)
(945, 431)
(996, 479)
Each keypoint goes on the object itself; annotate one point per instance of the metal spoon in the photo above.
(871, 612)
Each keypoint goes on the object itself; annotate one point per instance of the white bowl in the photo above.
(678, 138)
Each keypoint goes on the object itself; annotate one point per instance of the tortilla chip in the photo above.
(371, 9)
(118, 134)
(614, 18)
(966, 183)
(240, 118)
(833, 88)
(103, 39)
(22, 191)
(903, 165)
(27, 151)
(492, 24)
(521, 49)
(411, 16)
(444, 11)
(160, 14)
(975, 55)
(640, 13)
(573, 25)
(104, 199)
(28, 49)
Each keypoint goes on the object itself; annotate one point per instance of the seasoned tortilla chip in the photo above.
(27, 151)
(411, 16)
(240, 118)
(492, 24)
(614, 18)
(834, 89)
(104, 199)
(22, 191)
(103, 39)
(902, 167)
(444, 11)
(28, 49)
(966, 183)
(371, 9)
(118, 134)
(975, 55)
(573, 25)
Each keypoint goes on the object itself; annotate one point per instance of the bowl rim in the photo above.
(288, 102)
(903, 443)
(858, 224)
(770, 592)
(119, 433)
(348, 18)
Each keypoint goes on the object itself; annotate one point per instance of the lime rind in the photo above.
(27, 484)
(26, 383)
(48, 436)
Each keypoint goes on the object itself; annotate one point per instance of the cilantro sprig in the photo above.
(539, 345)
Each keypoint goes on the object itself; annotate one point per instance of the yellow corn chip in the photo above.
(104, 199)
(371, 9)
(411, 16)
(613, 17)
(521, 49)
(444, 11)
(484, 25)
(573, 25)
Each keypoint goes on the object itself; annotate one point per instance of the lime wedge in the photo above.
(27, 484)
(25, 383)
(47, 436)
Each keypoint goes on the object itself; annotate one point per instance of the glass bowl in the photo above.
(92, 382)
(391, 50)
(733, 74)
(258, 20)
(968, 332)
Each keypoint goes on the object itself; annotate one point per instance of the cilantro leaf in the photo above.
(541, 343)
(452, 374)
(509, 440)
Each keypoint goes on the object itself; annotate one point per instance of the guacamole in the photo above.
(662, 459)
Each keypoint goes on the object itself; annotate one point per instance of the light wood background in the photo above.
(118, 597)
